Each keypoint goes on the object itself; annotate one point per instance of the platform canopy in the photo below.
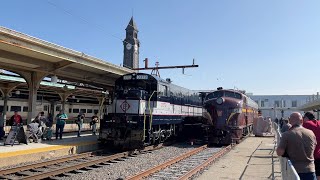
(21, 52)
(310, 106)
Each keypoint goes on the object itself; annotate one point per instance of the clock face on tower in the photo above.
(128, 46)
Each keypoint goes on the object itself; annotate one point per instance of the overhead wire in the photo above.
(88, 22)
(85, 20)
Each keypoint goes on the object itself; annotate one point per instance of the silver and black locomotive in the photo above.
(148, 110)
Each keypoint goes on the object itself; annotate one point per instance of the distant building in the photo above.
(277, 106)
(131, 46)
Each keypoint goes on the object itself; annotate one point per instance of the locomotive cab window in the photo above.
(163, 90)
(232, 95)
(213, 95)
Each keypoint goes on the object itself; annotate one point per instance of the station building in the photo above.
(277, 106)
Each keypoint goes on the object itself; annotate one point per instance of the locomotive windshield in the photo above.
(232, 95)
(218, 94)
(215, 94)
(134, 88)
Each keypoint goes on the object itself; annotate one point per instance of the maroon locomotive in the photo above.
(230, 115)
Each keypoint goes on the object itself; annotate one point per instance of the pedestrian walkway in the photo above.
(252, 159)
(70, 144)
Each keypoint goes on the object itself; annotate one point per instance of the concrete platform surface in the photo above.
(252, 159)
(70, 144)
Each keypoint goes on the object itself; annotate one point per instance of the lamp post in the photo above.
(282, 106)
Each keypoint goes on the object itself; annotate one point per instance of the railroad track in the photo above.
(184, 166)
(66, 166)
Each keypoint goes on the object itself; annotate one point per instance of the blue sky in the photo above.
(263, 47)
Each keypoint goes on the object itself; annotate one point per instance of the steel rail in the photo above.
(42, 164)
(91, 162)
(62, 170)
(166, 164)
(206, 163)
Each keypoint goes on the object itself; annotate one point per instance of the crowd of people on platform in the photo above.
(41, 125)
(300, 142)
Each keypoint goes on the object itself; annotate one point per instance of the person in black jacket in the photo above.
(2, 125)
(93, 123)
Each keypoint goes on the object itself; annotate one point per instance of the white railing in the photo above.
(288, 172)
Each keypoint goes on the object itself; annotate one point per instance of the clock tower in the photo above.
(131, 46)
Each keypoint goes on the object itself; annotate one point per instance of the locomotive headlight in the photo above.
(220, 101)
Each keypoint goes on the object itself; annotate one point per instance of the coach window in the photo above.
(25, 109)
(75, 110)
(83, 110)
(1, 108)
(89, 110)
(15, 108)
(96, 111)
(58, 108)
(45, 107)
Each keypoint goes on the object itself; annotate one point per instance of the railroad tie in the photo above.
(7, 177)
(68, 174)
(79, 171)
(25, 173)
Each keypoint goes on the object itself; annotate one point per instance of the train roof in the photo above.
(159, 79)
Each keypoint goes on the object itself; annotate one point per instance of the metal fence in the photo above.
(288, 172)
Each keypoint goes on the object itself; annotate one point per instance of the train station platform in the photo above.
(70, 144)
(254, 158)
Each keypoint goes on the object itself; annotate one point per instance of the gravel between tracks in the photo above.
(132, 166)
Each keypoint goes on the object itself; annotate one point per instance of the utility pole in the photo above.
(155, 70)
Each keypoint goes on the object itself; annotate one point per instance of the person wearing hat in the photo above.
(310, 122)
